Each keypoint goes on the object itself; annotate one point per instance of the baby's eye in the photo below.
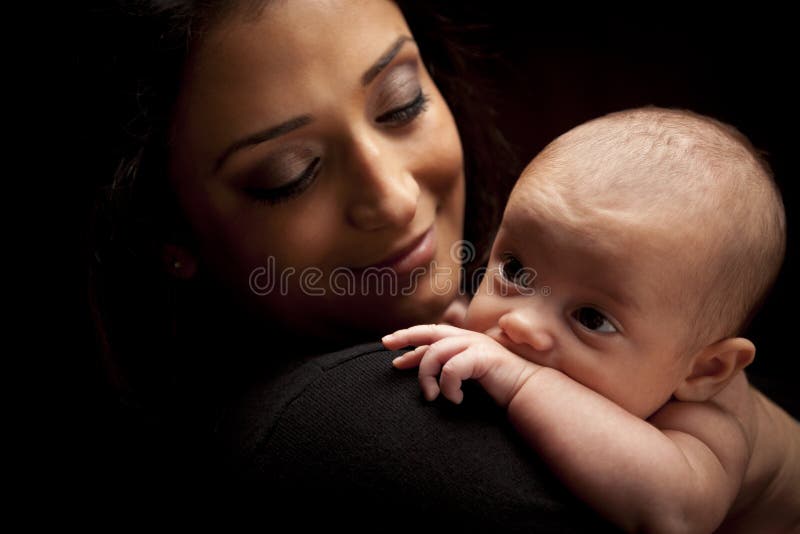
(593, 320)
(512, 270)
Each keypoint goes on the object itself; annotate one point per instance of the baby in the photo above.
(632, 251)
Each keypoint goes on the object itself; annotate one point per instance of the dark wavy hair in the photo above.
(133, 53)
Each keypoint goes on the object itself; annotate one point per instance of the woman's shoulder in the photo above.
(348, 430)
(340, 397)
(253, 414)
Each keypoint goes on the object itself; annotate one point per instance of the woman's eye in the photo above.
(297, 185)
(512, 270)
(405, 113)
(593, 320)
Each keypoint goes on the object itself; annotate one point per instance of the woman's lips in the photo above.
(417, 253)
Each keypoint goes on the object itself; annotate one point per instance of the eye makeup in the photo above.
(405, 113)
(284, 175)
(399, 97)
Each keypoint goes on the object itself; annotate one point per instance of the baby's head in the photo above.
(633, 249)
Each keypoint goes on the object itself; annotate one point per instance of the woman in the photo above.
(277, 153)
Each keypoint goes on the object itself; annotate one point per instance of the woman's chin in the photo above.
(366, 324)
(335, 321)
(423, 308)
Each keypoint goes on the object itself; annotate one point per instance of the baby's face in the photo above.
(587, 295)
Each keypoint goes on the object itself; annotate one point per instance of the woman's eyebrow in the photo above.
(302, 120)
(264, 135)
(384, 60)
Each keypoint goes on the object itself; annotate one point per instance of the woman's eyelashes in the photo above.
(399, 99)
(288, 190)
(406, 113)
(593, 320)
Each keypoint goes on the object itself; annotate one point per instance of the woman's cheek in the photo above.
(301, 232)
(452, 156)
(436, 150)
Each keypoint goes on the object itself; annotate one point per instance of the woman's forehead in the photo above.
(286, 37)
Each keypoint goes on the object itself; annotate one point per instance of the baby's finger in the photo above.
(429, 386)
(440, 352)
(459, 368)
(435, 357)
(411, 358)
(424, 334)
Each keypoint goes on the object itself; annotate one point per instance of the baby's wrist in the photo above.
(529, 385)
(522, 383)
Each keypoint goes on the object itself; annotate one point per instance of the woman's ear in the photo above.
(178, 261)
(713, 367)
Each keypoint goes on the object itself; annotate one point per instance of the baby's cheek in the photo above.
(636, 392)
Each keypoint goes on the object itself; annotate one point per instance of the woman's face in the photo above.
(310, 145)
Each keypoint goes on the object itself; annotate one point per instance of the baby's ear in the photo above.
(178, 261)
(713, 367)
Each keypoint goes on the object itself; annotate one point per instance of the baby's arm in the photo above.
(679, 474)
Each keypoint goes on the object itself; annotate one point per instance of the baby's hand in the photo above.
(447, 356)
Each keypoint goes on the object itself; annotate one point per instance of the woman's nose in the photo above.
(527, 327)
(383, 192)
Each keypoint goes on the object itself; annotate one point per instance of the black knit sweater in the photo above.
(347, 440)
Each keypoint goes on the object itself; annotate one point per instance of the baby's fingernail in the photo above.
(394, 362)
(387, 337)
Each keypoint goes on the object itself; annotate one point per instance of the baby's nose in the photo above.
(524, 328)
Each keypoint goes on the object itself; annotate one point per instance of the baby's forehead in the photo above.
(619, 233)
(632, 186)
(614, 201)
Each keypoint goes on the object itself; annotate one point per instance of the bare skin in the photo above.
(588, 355)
